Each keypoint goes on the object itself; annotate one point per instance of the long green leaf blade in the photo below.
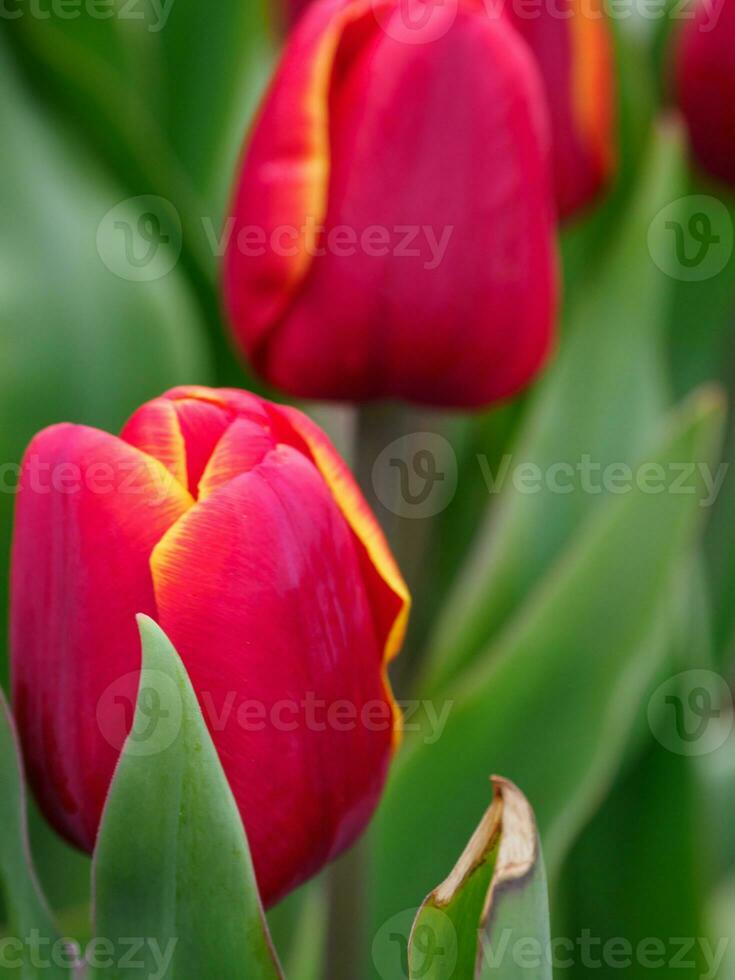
(172, 864)
(553, 705)
(32, 949)
(600, 401)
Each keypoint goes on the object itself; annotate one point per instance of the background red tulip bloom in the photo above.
(233, 523)
(705, 85)
(574, 48)
(393, 227)
(290, 11)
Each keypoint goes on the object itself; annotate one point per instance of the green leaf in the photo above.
(553, 700)
(722, 918)
(307, 950)
(172, 865)
(599, 401)
(32, 947)
(206, 113)
(490, 917)
(716, 782)
(165, 92)
(611, 882)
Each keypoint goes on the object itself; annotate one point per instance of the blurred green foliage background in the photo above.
(547, 621)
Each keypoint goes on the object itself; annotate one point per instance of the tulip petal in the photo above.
(154, 429)
(284, 185)
(202, 425)
(389, 596)
(182, 428)
(259, 587)
(705, 85)
(241, 448)
(234, 400)
(434, 277)
(89, 512)
(573, 48)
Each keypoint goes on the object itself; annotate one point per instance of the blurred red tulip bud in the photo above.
(233, 523)
(291, 10)
(393, 227)
(705, 84)
(573, 46)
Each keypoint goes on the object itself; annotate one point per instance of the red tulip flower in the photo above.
(573, 47)
(235, 525)
(392, 231)
(291, 10)
(705, 83)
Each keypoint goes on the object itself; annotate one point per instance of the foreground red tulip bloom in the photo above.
(233, 523)
(393, 230)
(574, 49)
(705, 83)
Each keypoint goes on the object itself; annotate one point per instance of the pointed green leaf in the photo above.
(553, 702)
(172, 865)
(490, 917)
(32, 947)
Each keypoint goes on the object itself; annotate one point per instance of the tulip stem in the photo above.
(376, 428)
(388, 478)
(347, 913)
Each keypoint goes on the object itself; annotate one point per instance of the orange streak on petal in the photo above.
(358, 515)
(592, 81)
(198, 392)
(154, 429)
(363, 523)
(283, 187)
